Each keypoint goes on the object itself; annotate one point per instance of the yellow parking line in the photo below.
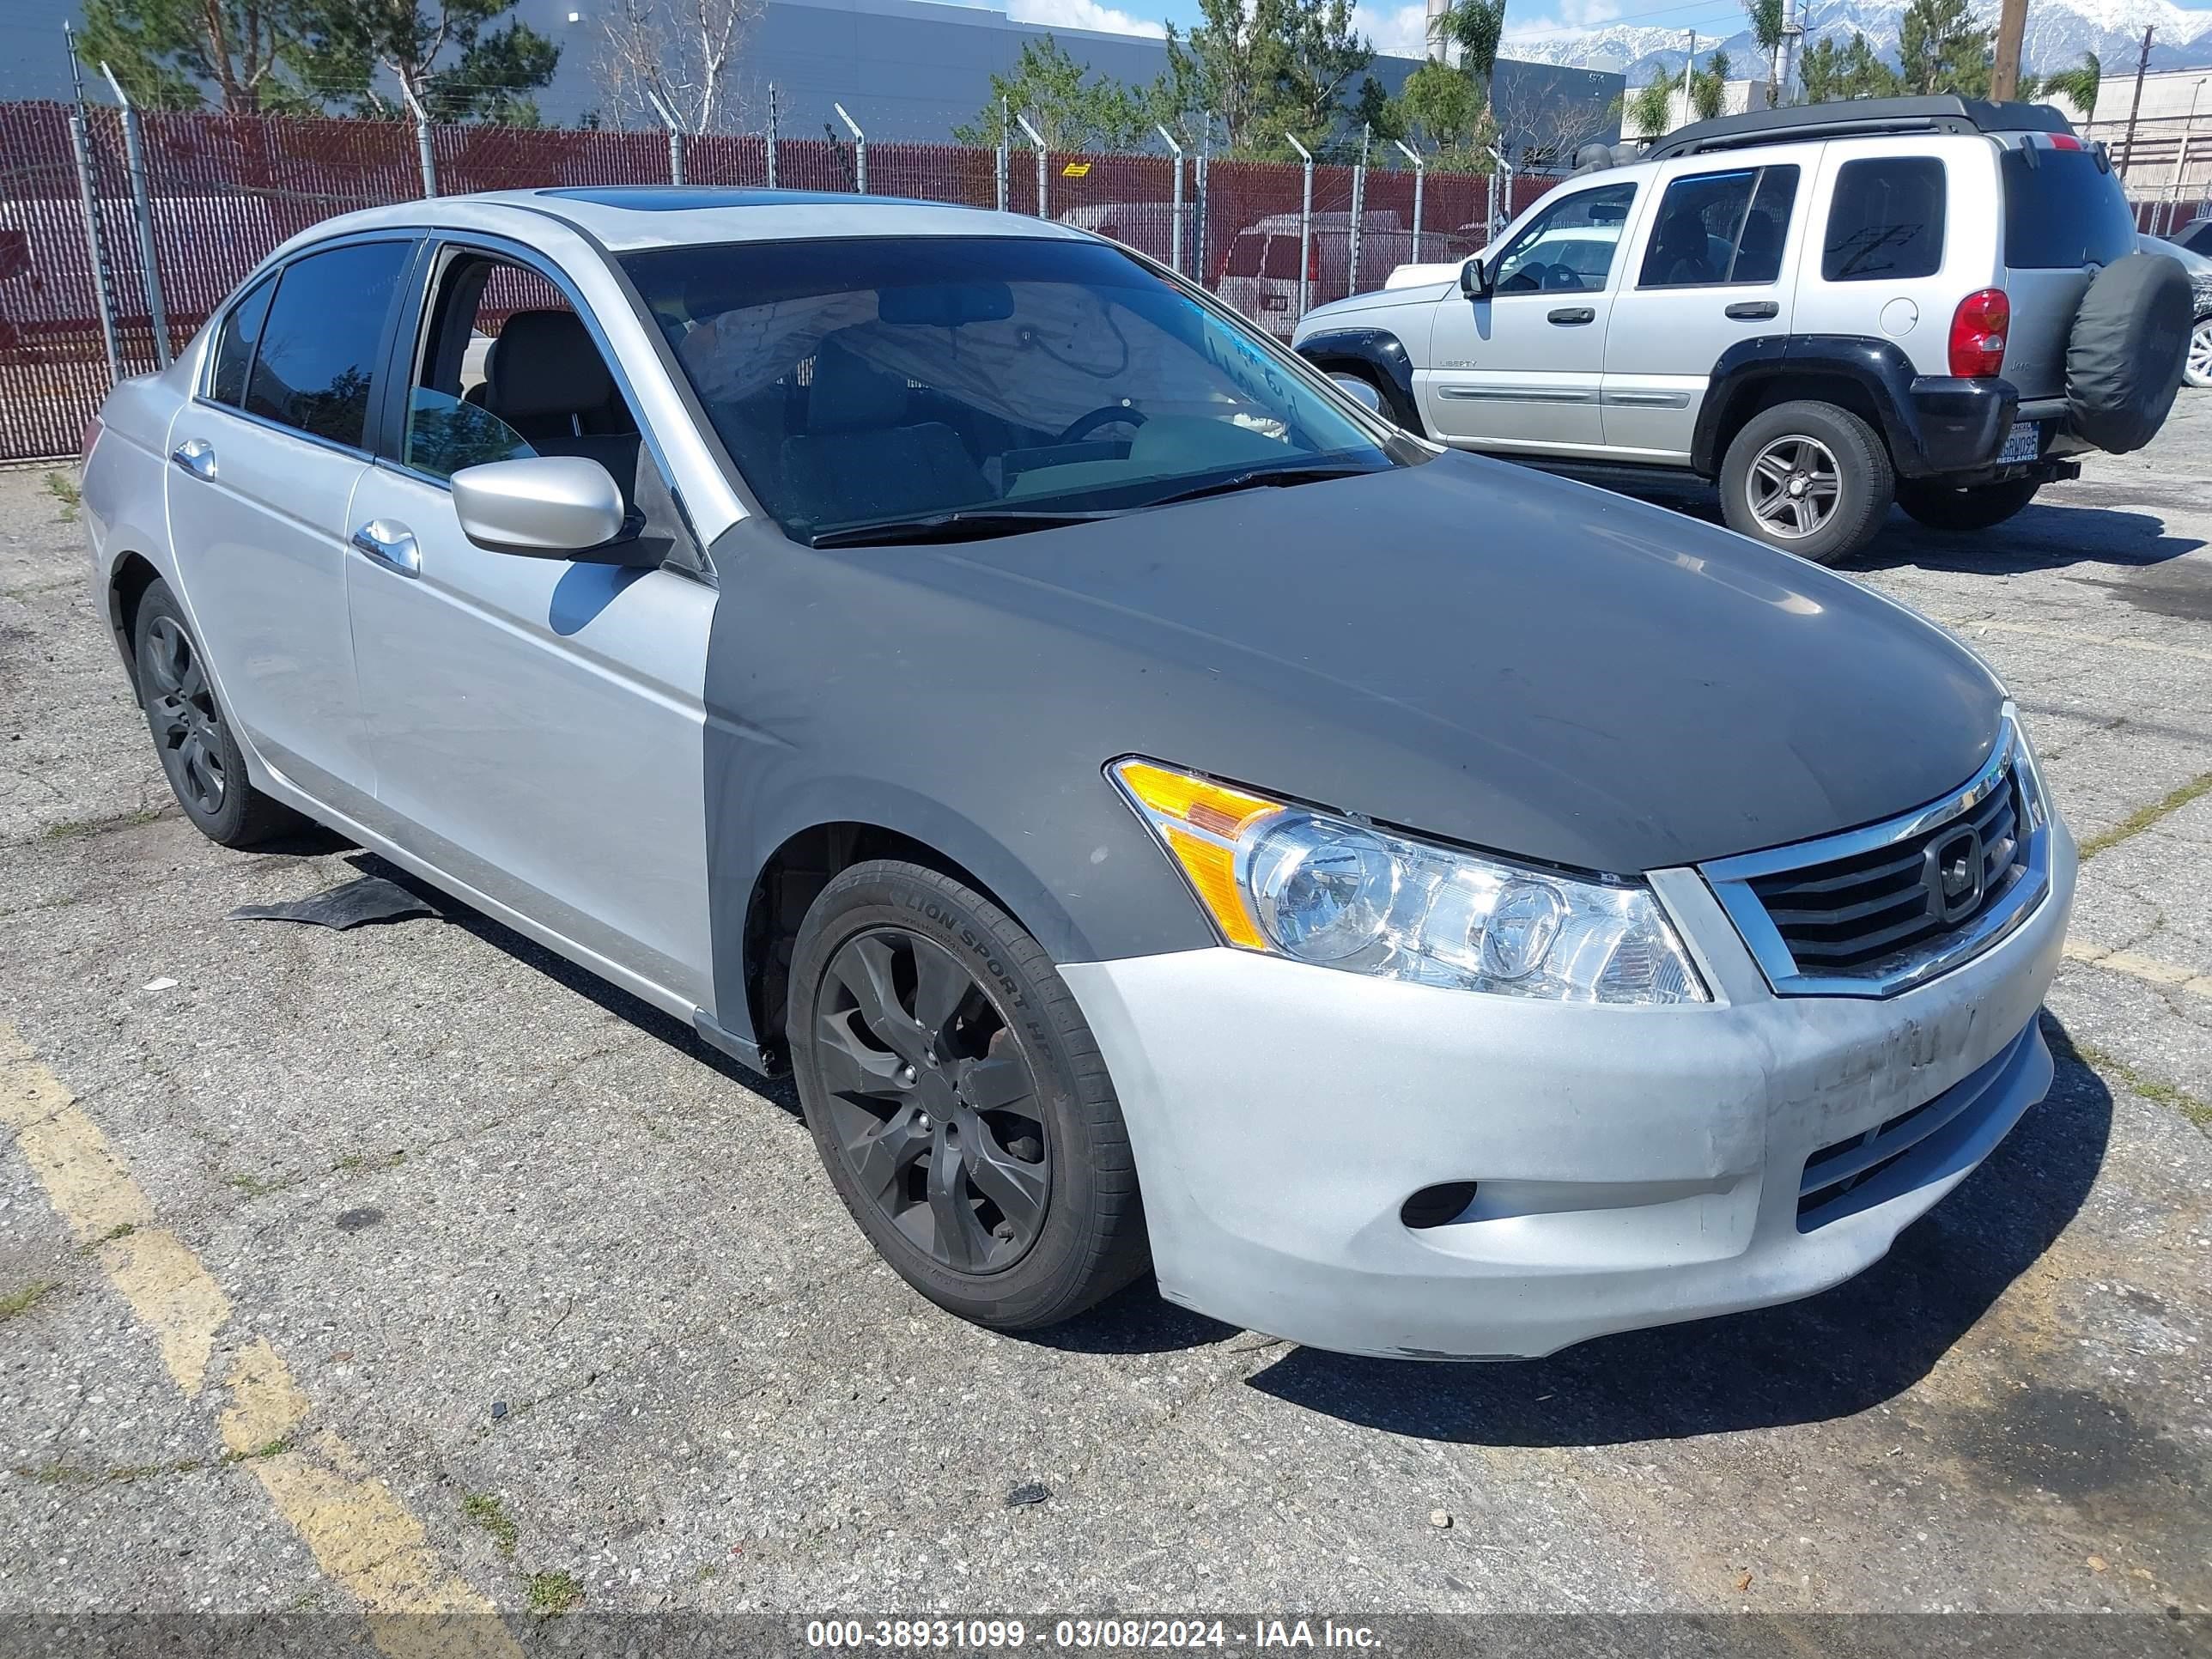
(359, 1533)
(2146, 969)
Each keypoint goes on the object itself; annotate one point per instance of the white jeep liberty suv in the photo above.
(1823, 309)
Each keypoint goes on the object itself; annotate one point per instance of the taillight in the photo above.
(1977, 333)
(92, 431)
(1313, 265)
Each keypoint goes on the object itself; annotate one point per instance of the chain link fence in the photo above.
(95, 202)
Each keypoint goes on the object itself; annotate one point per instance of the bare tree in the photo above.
(1542, 126)
(683, 50)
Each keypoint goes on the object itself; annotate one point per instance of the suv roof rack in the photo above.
(1856, 117)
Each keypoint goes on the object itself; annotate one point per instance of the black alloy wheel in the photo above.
(932, 1102)
(180, 706)
(958, 1099)
(199, 751)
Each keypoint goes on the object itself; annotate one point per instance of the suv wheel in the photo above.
(1809, 478)
(958, 1100)
(197, 748)
(2197, 367)
(1977, 506)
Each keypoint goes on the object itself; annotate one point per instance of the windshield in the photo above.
(865, 381)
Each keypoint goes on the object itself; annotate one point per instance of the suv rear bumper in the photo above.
(1935, 426)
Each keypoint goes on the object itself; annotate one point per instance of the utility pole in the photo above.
(2004, 73)
(1793, 34)
(2135, 108)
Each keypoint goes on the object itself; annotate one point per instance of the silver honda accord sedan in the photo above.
(1162, 814)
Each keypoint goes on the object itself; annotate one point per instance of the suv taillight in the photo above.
(1977, 333)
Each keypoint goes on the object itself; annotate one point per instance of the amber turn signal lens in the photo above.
(1201, 822)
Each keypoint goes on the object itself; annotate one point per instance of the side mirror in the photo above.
(1475, 279)
(547, 507)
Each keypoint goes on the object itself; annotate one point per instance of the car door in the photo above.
(536, 723)
(1519, 368)
(1712, 265)
(265, 459)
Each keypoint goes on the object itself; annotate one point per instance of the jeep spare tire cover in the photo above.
(2129, 344)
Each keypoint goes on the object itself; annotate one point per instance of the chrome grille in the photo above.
(1860, 910)
(1871, 912)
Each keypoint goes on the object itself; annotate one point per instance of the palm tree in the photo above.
(2078, 85)
(1708, 87)
(1650, 105)
(1473, 26)
(1766, 17)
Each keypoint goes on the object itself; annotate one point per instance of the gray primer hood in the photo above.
(1502, 658)
(1460, 647)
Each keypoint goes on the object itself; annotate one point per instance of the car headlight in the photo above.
(1319, 888)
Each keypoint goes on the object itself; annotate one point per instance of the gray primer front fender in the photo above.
(836, 695)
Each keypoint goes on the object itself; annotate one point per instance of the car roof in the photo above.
(625, 218)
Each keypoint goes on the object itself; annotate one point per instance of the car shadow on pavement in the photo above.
(652, 1021)
(2052, 534)
(2047, 535)
(1835, 1354)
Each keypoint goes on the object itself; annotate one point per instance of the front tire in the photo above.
(192, 734)
(1809, 478)
(1976, 507)
(958, 1100)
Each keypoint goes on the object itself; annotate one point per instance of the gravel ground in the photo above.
(573, 1295)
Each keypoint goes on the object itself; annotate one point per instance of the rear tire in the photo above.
(192, 731)
(958, 1100)
(1809, 478)
(1976, 507)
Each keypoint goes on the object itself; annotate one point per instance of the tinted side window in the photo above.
(317, 365)
(1885, 219)
(234, 347)
(1720, 228)
(2063, 211)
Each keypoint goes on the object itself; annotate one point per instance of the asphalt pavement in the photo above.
(409, 1261)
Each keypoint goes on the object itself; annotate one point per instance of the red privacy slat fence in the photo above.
(223, 191)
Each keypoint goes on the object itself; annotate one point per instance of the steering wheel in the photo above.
(1106, 415)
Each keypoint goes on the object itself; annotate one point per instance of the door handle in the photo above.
(1568, 316)
(1746, 311)
(392, 545)
(196, 457)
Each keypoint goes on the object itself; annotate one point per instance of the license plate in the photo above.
(1274, 302)
(2023, 443)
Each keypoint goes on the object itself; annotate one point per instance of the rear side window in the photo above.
(1720, 227)
(234, 347)
(1245, 254)
(2063, 211)
(317, 365)
(1885, 219)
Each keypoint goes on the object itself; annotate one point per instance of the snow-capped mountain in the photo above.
(2059, 33)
